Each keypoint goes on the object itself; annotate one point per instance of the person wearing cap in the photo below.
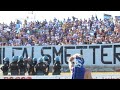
(77, 69)
(14, 66)
(40, 68)
(5, 67)
(56, 67)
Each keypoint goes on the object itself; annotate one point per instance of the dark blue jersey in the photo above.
(78, 73)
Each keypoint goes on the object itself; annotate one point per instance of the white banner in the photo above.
(98, 55)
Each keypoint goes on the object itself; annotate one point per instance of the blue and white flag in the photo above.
(117, 17)
(107, 16)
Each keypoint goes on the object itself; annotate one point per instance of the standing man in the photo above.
(40, 68)
(30, 66)
(56, 67)
(34, 64)
(14, 66)
(47, 62)
(21, 66)
(5, 67)
(76, 66)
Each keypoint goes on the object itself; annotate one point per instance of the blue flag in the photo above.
(117, 17)
(107, 16)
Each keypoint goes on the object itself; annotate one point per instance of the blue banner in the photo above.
(117, 17)
(107, 16)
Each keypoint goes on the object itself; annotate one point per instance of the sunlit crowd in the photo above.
(70, 31)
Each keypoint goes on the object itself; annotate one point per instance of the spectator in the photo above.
(56, 32)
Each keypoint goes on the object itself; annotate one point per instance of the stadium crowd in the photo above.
(55, 32)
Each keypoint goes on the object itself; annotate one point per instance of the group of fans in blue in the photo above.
(21, 65)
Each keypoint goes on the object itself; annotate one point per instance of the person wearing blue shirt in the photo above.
(76, 66)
